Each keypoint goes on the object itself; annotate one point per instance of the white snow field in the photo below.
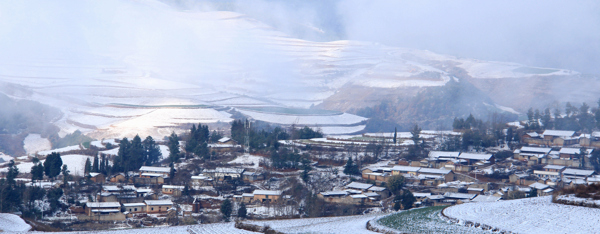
(75, 163)
(247, 160)
(216, 228)
(12, 223)
(529, 215)
(34, 143)
(343, 225)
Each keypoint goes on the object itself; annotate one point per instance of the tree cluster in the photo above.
(134, 154)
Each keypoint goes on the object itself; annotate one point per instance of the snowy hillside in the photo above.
(530, 215)
(156, 67)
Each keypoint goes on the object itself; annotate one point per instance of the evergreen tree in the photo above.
(152, 150)
(102, 168)
(66, 175)
(226, 209)
(415, 133)
(87, 167)
(173, 147)
(52, 165)
(13, 172)
(532, 193)
(242, 212)
(136, 154)
(37, 172)
(95, 167)
(395, 134)
(351, 168)
(121, 163)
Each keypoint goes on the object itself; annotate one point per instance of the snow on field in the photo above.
(247, 159)
(312, 120)
(344, 224)
(12, 223)
(340, 130)
(529, 215)
(34, 143)
(75, 163)
(59, 150)
(113, 151)
(164, 150)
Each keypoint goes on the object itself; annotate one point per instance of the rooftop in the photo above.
(558, 133)
(358, 185)
(159, 202)
(155, 169)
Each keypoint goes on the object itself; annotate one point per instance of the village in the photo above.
(332, 176)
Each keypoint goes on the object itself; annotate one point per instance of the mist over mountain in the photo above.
(120, 67)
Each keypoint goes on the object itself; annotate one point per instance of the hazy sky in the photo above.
(547, 33)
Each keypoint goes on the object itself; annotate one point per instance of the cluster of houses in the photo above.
(356, 193)
(565, 156)
(562, 138)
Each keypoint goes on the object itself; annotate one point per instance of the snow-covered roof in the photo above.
(475, 189)
(224, 139)
(166, 186)
(421, 194)
(405, 168)
(448, 154)
(230, 170)
(434, 171)
(535, 149)
(155, 169)
(554, 167)
(334, 193)
(566, 150)
(159, 202)
(144, 190)
(372, 194)
(200, 177)
(377, 188)
(578, 172)
(539, 186)
(358, 196)
(112, 188)
(472, 156)
(533, 134)
(483, 198)
(358, 185)
(106, 211)
(103, 204)
(94, 174)
(267, 192)
(436, 197)
(558, 133)
(134, 204)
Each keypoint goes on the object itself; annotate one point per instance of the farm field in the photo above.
(423, 220)
(529, 215)
(344, 224)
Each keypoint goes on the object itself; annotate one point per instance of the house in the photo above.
(97, 177)
(573, 174)
(458, 197)
(266, 195)
(150, 172)
(251, 176)
(102, 208)
(224, 173)
(124, 193)
(477, 159)
(522, 179)
(138, 207)
(172, 189)
(399, 170)
(143, 192)
(225, 141)
(559, 138)
(95, 208)
(359, 186)
(334, 196)
(443, 174)
(382, 191)
(550, 172)
(245, 197)
(118, 178)
(201, 180)
(158, 206)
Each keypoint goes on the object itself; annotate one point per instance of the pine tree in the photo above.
(226, 209)
(52, 165)
(152, 151)
(395, 135)
(37, 172)
(173, 147)
(136, 154)
(351, 168)
(87, 167)
(66, 175)
(95, 167)
(242, 212)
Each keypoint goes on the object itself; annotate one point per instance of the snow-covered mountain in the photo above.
(120, 67)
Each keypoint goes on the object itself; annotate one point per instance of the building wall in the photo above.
(157, 209)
